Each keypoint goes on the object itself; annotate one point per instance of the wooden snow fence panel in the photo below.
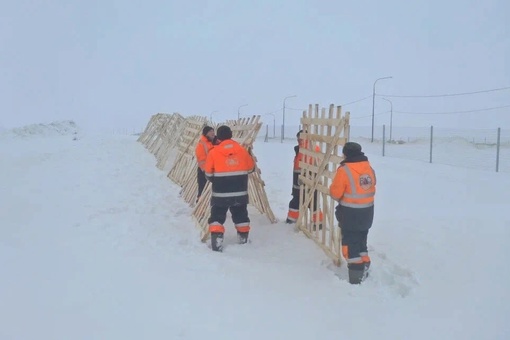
(329, 132)
(158, 140)
(145, 131)
(242, 135)
(154, 130)
(150, 125)
(185, 165)
(154, 138)
(169, 138)
(244, 131)
(190, 186)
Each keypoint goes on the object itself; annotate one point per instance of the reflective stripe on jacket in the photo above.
(354, 185)
(227, 167)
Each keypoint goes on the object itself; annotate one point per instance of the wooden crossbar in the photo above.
(328, 133)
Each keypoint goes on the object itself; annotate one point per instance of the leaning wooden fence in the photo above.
(330, 132)
(185, 164)
(244, 131)
(190, 185)
(169, 137)
(166, 133)
(328, 129)
(151, 132)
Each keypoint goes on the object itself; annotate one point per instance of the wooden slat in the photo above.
(327, 129)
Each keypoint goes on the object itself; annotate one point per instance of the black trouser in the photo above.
(356, 243)
(355, 224)
(293, 214)
(239, 217)
(201, 180)
(294, 202)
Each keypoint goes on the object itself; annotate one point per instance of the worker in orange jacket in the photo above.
(204, 145)
(227, 167)
(293, 212)
(354, 187)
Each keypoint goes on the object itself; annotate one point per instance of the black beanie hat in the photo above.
(352, 149)
(206, 129)
(224, 133)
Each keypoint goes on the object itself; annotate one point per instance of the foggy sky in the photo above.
(115, 63)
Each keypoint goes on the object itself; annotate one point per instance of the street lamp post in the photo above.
(283, 126)
(274, 124)
(238, 113)
(210, 116)
(373, 104)
(391, 115)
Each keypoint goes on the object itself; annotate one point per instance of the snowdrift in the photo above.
(62, 128)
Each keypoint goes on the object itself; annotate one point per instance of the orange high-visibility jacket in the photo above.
(354, 185)
(298, 158)
(301, 157)
(203, 147)
(227, 167)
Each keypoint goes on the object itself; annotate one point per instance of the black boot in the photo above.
(242, 238)
(356, 273)
(217, 241)
(367, 267)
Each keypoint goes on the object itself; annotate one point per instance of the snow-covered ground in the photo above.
(95, 243)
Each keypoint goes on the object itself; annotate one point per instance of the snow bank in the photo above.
(58, 128)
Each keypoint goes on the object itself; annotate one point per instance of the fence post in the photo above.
(497, 149)
(281, 135)
(266, 136)
(383, 138)
(431, 142)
